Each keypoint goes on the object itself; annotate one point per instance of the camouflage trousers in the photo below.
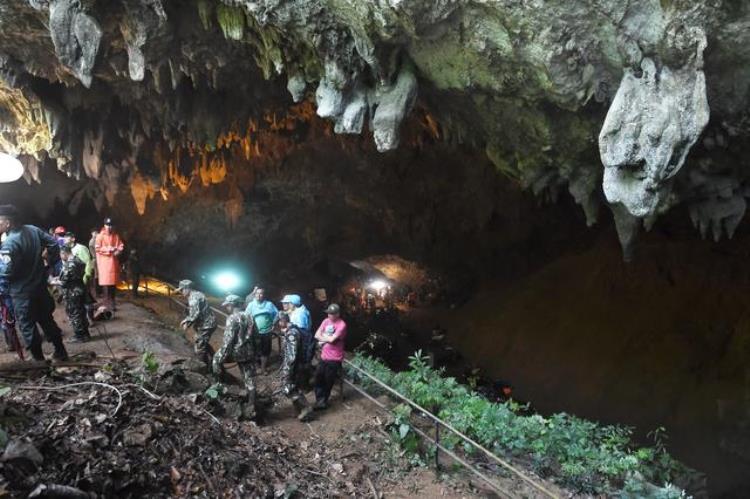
(247, 371)
(75, 308)
(292, 379)
(203, 346)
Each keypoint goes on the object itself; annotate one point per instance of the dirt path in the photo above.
(353, 427)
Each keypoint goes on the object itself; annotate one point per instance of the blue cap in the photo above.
(293, 299)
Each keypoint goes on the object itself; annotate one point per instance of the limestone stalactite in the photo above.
(95, 88)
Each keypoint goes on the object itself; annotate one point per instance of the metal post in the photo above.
(437, 446)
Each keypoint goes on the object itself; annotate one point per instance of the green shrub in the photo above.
(584, 455)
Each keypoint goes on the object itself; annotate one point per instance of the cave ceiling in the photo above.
(638, 105)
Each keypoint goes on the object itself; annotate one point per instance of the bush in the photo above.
(581, 454)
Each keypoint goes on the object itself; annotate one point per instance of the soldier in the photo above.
(27, 278)
(201, 317)
(74, 293)
(292, 366)
(238, 345)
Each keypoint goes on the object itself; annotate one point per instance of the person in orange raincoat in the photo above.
(109, 247)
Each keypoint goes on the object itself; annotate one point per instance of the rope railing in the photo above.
(429, 415)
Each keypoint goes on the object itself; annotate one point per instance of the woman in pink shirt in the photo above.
(331, 335)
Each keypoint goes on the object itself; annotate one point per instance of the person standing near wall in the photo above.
(134, 272)
(26, 273)
(331, 335)
(109, 247)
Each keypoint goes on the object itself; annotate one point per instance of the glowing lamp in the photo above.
(226, 281)
(378, 285)
(10, 168)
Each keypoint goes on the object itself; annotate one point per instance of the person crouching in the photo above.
(292, 366)
(74, 293)
(238, 345)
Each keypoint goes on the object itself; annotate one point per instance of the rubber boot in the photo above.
(304, 411)
(36, 351)
(60, 353)
(250, 411)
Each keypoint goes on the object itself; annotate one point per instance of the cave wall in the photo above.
(660, 341)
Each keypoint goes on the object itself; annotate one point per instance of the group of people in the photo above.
(248, 333)
(32, 260)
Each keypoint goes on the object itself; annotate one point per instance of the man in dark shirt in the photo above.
(26, 272)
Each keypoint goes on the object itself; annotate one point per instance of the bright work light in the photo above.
(10, 168)
(378, 285)
(226, 281)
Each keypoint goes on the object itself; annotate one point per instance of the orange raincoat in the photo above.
(109, 246)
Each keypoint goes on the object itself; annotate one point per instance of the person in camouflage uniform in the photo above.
(201, 318)
(74, 293)
(292, 366)
(238, 346)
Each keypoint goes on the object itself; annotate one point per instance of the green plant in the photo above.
(586, 456)
(214, 391)
(149, 363)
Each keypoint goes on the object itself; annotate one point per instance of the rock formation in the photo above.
(148, 95)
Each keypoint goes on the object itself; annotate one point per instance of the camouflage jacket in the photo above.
(71, 277)
(292, 357)
(237, 343)
(200, 315)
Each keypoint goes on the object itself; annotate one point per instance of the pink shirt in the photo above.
(334, 351)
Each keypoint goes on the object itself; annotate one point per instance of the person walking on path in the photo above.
(292, 368)
(331, 335)
(201, 318)
(26, 272)
(83, 254)
(74, 293)
(238, 346)
(264, 313)
(109, 247)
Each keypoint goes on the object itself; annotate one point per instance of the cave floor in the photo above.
(150, 324)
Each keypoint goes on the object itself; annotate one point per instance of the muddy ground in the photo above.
(344, 451)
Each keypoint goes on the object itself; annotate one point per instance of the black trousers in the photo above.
(36, 308)
(325, 377)
(109, 296)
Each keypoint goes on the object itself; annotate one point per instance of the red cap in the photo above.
(60, 230)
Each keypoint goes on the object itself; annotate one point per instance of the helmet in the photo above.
(185, 284)
(108, 221)
(232, 300)
(333, 309)
(60, 231)
(283, 316)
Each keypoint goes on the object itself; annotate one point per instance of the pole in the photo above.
(437, 446)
